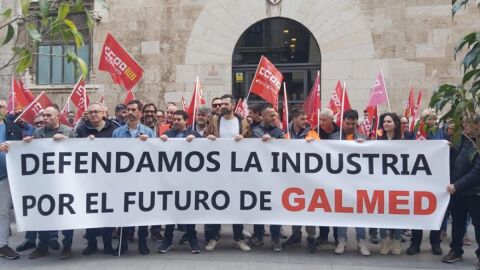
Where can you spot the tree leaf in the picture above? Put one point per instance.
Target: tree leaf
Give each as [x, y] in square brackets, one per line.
[468, 39]
[25, 56]
[44, 8]
[7, 13]
[472, 57]
[468, 76]
[10, 34]
[63, 11]
[34, 34]
[25, 5]
[457, 5]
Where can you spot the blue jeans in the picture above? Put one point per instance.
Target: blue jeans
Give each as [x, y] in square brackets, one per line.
[360, 233]
[259, 231]
[212, 232]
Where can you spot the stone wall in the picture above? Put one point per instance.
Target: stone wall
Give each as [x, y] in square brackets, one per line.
[412, 42]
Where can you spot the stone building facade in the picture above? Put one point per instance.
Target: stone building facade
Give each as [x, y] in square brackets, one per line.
[411, 41]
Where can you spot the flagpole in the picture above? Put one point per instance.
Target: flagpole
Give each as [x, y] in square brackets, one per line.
[341, 110]
[377, 124]
[320, 101]
[13, 96]
[195, 94]
[29, 105]
[386, 92]
[285, 98]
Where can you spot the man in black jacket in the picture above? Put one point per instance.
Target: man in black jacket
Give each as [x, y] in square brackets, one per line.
[464, 190]
[97, 126]
[179, 130]
[267, 130]
[8, 132]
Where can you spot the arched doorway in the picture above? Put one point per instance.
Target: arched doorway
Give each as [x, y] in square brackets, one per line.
[289, 45]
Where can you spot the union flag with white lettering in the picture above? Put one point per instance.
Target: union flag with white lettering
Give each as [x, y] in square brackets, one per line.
[116, 60]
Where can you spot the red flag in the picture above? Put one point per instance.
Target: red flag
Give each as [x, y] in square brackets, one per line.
[267, 81]
[242, 108]
[130, 96]
[415, 111]
[285, 111]
[195, 102]
[379, 92]
[335, 103]
[410, 104]
[312, 104]
[116, 60]
[38, 105]
[19, 97]
[421, 133]
[79, 98]
[369, 123]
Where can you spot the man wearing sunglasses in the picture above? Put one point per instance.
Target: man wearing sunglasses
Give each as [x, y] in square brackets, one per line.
[216, 106]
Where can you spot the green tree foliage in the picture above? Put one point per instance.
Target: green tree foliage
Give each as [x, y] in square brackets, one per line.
[49, 20]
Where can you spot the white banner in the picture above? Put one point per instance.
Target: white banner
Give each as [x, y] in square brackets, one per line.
[80, 183]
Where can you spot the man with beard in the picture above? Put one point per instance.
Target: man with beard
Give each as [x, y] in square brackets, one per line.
[179, 130]
[267, 130]
[52, 129]
[228, 125]
[300, 129]
[149, 118]
[134, 129]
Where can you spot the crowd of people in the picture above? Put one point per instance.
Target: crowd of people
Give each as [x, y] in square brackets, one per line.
[146, 121]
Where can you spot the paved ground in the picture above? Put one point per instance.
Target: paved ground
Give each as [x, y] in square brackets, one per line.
[226, 257]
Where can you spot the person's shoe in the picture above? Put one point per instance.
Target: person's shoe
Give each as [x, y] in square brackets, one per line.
[156, 236]
[122, 251]
[242, 245]
[311, 245]
[443, 235]
[183, 240]
[194, 246]
[107, 249]
[436, 249]
[53, 244]
[467, 241]
[142, 247]
[452, 257]
[165, 246]
[211, 245]
[385, 244]
[294, 240]
[256, 241]
[66, 253]
[276, 246]
[26, 245]
[396, 247]
[413, 249]
[362, 247]
[320, 241]
[89, 249]
[8, 253]
[374, 238]
[340, 249]
[38, 253]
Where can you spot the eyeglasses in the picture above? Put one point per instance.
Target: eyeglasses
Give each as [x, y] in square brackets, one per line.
[93, 112]
[404, 123]
[217, 105]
